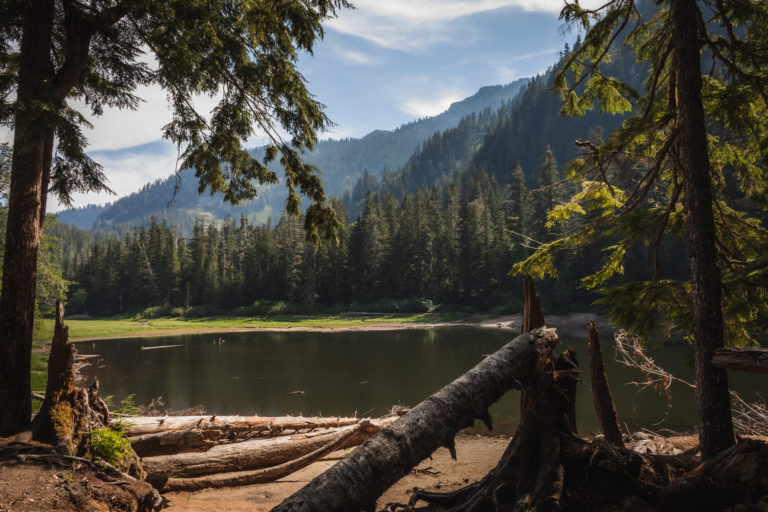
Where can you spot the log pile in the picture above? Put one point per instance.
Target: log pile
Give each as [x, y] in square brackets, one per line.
[185, 453]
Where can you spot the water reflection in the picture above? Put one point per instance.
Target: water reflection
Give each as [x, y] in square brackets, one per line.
[364, 373]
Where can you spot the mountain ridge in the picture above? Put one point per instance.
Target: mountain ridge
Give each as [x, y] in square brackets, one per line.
[341, 161]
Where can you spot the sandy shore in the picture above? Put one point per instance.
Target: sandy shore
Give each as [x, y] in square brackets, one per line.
[475, 457]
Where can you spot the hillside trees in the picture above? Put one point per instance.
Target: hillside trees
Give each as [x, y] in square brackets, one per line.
[56, 51]
[451, 244]
[666, 172]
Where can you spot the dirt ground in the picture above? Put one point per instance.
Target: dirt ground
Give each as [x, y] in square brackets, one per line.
[475, 457]
[30, 484]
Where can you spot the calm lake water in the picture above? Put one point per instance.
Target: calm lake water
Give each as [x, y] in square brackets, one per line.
[363, 373]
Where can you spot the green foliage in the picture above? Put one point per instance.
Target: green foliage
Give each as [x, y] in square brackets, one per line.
[631, 185]
[109, 445]
[243, 52]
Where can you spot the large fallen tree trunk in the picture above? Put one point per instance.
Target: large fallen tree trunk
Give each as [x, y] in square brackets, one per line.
[545, 467]
[356, 482]
[144, 425]
[746, 359]
[254, 454]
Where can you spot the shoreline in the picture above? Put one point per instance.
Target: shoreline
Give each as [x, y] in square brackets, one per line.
[573, 324]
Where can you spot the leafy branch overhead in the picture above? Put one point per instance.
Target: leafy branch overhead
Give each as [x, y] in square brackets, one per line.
[241, 53]
[633, 189]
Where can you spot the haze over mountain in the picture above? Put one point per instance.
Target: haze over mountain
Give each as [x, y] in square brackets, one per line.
[176, 200]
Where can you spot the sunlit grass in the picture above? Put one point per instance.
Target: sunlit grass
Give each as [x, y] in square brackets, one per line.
[86, 329]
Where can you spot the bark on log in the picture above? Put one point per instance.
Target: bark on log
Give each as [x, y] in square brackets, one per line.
[356, 482]
[246, 455]
[142, 425]
[345, 437]
[735, 476]
[747, 359]
[601, 393]
[167, 443]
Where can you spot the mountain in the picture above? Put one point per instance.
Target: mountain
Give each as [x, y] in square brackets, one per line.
[83, 217]
[342, 162]
[520, 131]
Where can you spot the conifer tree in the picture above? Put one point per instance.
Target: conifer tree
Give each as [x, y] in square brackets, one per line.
[56, 51]
[664, 172]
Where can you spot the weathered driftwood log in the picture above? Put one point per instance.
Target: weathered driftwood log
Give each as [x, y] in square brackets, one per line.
[604, 405]
[254, 454]
[747, 359]
[356, 482]
[142, 425]
[345, 437]
[174, 441]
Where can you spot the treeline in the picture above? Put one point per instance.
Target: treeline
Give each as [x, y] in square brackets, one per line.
[453, 244]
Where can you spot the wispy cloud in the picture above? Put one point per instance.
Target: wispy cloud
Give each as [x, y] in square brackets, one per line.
[128, 170]
[430, 106]
[507, 71]
[413, 26]
[353, 57]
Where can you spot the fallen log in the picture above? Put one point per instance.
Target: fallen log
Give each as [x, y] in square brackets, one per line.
[142, 425]
[745, 359]
[357, 481]
[734, 476]
[345, 438]
[254, 454]
[167, 443]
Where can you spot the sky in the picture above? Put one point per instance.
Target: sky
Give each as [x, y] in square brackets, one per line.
[379, 65]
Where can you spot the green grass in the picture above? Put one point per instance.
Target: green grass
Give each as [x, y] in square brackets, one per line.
[83, 329]
[39, 372]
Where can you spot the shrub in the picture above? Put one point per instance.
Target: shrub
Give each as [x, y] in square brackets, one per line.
[109, 445]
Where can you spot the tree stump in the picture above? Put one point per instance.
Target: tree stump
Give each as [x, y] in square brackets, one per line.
[63, 419]
[604, 406]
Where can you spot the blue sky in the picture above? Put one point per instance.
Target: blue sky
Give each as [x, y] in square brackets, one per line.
[381, 65]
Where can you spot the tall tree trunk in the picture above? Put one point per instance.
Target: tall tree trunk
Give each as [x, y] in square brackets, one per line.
[22, 240]
[715, 424]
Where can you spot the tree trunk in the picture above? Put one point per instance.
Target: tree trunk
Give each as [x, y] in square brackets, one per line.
[715, 423]
[168, 443]
[356, 482]
[231, 425]
[264, 461]
[66, 414]
[22, 237]
[533, 317]
[604, 406]
[748, 359]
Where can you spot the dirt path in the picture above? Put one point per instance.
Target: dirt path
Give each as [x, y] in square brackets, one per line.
[475, 457]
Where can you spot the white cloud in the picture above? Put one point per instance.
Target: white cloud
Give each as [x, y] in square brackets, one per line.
[433, 105]
[353, 57]
[507, 72]
[127, 171]
[413, 26]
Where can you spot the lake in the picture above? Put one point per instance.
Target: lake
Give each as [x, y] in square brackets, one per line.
[364, 373]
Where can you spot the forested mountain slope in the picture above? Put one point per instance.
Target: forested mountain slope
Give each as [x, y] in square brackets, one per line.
[341, 162]
[520, 131]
